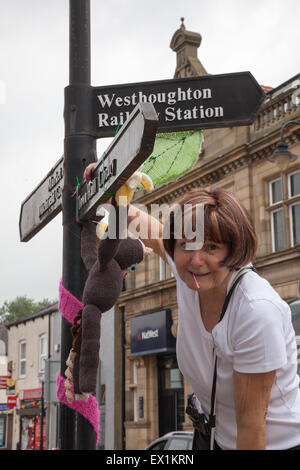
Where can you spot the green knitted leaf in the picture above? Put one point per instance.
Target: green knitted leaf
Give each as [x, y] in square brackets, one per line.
[174, 154]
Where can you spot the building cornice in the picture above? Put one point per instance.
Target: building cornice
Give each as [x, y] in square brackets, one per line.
[277, 258]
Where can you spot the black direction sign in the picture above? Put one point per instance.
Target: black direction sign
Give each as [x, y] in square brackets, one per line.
[43, 204]
[130, 148]
[186, 103]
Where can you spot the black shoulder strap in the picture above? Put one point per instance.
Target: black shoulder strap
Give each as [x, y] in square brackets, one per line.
[236, 281]
[212, 416]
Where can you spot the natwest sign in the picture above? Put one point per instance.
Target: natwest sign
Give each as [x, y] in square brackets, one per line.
[151, 334]
[148, 334]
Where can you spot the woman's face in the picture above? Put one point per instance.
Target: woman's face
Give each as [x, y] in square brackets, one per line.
[202, 265]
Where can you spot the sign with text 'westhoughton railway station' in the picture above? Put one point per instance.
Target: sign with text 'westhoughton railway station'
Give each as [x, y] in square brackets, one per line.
[210, 101]
[181, 104]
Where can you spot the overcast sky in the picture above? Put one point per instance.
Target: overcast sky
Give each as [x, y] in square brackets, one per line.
[130, 43]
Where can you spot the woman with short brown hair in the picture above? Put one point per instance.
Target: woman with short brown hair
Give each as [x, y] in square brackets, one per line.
[225, 221]
[257, 400]
[257, 386]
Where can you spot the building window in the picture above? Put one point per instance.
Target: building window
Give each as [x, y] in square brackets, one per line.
[43, 351]
[2, 348]
[295, 224]
[22, 359]
[294, 184]
[275, 191]
[162, 270]
[284, 208]
[277, 230]
[294, 193]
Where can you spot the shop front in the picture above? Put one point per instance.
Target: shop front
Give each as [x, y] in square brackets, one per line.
[32, 435]
[6, 413]
[154, 384]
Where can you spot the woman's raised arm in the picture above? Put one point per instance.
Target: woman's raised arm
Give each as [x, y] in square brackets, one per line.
[144, 220]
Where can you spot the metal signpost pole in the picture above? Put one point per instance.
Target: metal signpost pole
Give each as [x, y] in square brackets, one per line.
[79, 150]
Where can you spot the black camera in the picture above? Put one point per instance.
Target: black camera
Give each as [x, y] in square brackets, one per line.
[199, 420]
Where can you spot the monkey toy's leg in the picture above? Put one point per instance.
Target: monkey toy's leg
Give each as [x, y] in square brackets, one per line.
[76, 362]
[90, 348]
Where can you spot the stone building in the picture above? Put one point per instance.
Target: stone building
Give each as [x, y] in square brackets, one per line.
[236, 159]
[6, 412]
[33, 355]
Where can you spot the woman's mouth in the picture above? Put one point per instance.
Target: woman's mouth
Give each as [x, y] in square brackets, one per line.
[199, 275]
[195, 276]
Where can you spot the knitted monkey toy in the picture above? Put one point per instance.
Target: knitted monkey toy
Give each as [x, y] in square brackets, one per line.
[107, 262]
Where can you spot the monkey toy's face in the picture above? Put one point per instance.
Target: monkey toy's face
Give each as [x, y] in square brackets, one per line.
[105, 280]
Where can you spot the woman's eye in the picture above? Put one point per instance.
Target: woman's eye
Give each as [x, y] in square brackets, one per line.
[183, 245]
[212, 247]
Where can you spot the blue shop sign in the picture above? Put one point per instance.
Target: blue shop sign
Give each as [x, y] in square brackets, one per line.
[151, 334]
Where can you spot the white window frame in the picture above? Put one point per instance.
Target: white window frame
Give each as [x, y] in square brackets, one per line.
[270, 192]
[272, 228]
[42, 355]
[289, 184]
[22, 360]
[162, 269]
[291, 222]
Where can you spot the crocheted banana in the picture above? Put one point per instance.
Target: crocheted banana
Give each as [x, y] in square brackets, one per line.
[124, 196]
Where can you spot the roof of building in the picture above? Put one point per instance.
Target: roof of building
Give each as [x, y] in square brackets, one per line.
[40, 313]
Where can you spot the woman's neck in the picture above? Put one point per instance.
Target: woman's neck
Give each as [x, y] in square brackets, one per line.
[217, 294]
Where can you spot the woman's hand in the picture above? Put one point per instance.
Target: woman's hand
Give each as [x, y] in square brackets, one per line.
[88, 172]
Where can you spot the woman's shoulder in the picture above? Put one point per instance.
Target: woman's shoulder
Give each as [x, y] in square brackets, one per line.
[257, 295]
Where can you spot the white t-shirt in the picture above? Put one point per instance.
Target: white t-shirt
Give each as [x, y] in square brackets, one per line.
[256, 335]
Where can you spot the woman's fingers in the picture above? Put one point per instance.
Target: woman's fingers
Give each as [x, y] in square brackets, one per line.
[88, 171]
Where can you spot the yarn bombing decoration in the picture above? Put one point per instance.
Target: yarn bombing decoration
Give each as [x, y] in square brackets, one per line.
[174, 154]
[68, 307]
[106, 260]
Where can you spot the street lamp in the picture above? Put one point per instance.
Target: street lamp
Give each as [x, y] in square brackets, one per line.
[282, 157]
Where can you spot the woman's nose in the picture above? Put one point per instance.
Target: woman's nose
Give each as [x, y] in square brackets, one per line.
[197, 257]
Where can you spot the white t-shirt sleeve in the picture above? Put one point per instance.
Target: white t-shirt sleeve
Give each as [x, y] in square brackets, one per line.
[259, 340]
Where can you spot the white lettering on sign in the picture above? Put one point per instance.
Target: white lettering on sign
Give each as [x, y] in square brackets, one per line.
[171, 113]
[195, 113]
[56, 178]
[106, 120]
[169, 98]
[55, 191]
[150, 334]
[50, 201]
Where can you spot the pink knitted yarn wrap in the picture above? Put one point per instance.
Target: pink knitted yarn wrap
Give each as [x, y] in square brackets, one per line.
[68, 304]
[69, 307]
[89, 409]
